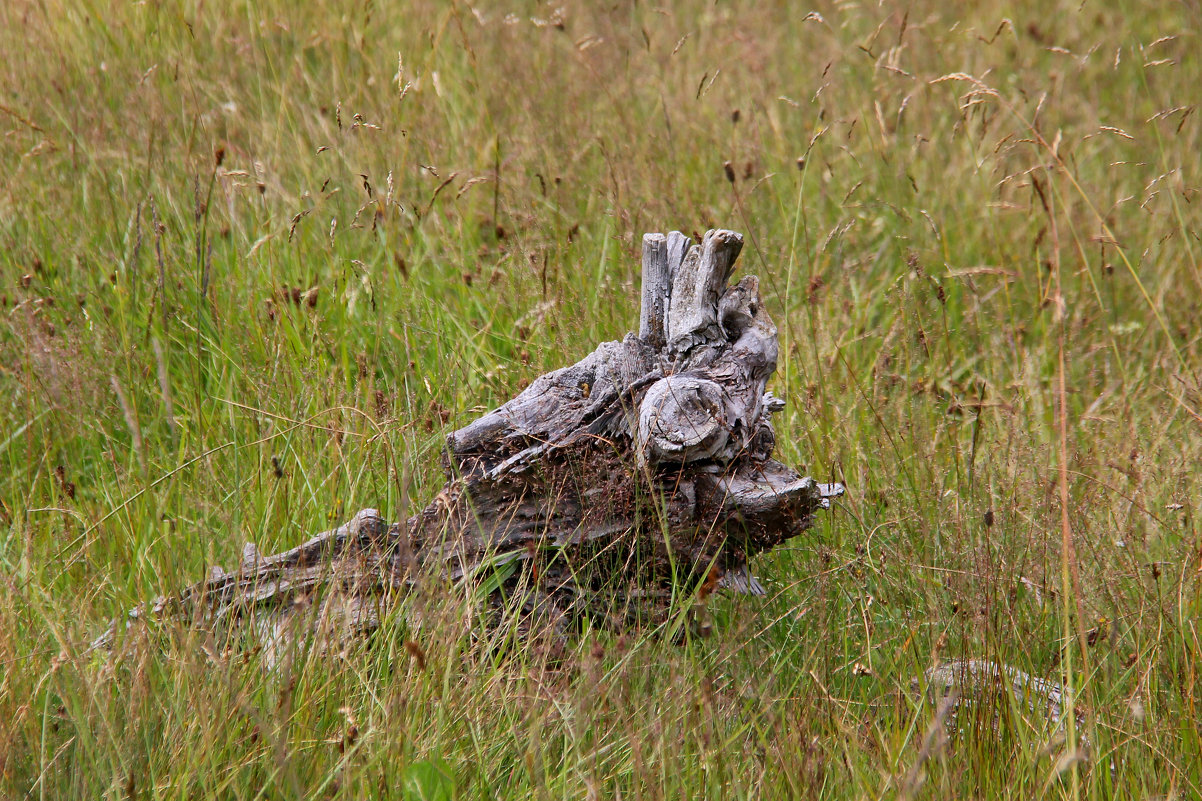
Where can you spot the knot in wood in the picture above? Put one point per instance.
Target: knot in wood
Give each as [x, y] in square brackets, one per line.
[682, 419]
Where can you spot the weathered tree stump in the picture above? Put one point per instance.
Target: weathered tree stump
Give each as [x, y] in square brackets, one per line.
[644, 466]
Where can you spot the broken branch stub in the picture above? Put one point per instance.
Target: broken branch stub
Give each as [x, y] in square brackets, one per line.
[649, 461]
[696, 287]
[657, 287]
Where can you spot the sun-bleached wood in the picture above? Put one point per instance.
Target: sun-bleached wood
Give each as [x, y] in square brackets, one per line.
[657, 287]
[696, 287]
[647, 462]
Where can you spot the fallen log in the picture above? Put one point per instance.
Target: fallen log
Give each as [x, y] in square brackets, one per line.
[645, 466]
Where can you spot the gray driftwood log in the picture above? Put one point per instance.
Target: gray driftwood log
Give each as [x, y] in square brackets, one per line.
[646, 465]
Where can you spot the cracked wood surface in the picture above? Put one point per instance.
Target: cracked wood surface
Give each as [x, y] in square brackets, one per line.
[648, 461]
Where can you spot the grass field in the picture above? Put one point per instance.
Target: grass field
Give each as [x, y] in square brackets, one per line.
[258, 258]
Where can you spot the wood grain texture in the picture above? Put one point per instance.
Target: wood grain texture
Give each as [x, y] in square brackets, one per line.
[696, 287]
[657, 288]
[646, 463]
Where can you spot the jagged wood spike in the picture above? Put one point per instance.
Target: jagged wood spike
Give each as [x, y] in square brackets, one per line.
[696, 288]
[678, 248]
[657, 286]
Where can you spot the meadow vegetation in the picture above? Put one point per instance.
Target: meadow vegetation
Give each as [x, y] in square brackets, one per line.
[258, 257]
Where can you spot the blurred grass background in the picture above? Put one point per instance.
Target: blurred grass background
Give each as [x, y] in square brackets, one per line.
[258, 258]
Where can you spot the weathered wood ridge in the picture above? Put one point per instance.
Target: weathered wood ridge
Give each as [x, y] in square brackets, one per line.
[647, 462]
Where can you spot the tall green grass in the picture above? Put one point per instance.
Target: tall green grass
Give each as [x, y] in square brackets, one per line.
[257, 258]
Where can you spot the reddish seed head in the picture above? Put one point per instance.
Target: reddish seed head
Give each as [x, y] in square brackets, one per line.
[416, 653]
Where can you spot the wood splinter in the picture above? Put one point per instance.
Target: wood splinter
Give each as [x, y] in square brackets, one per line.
[648, 462]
